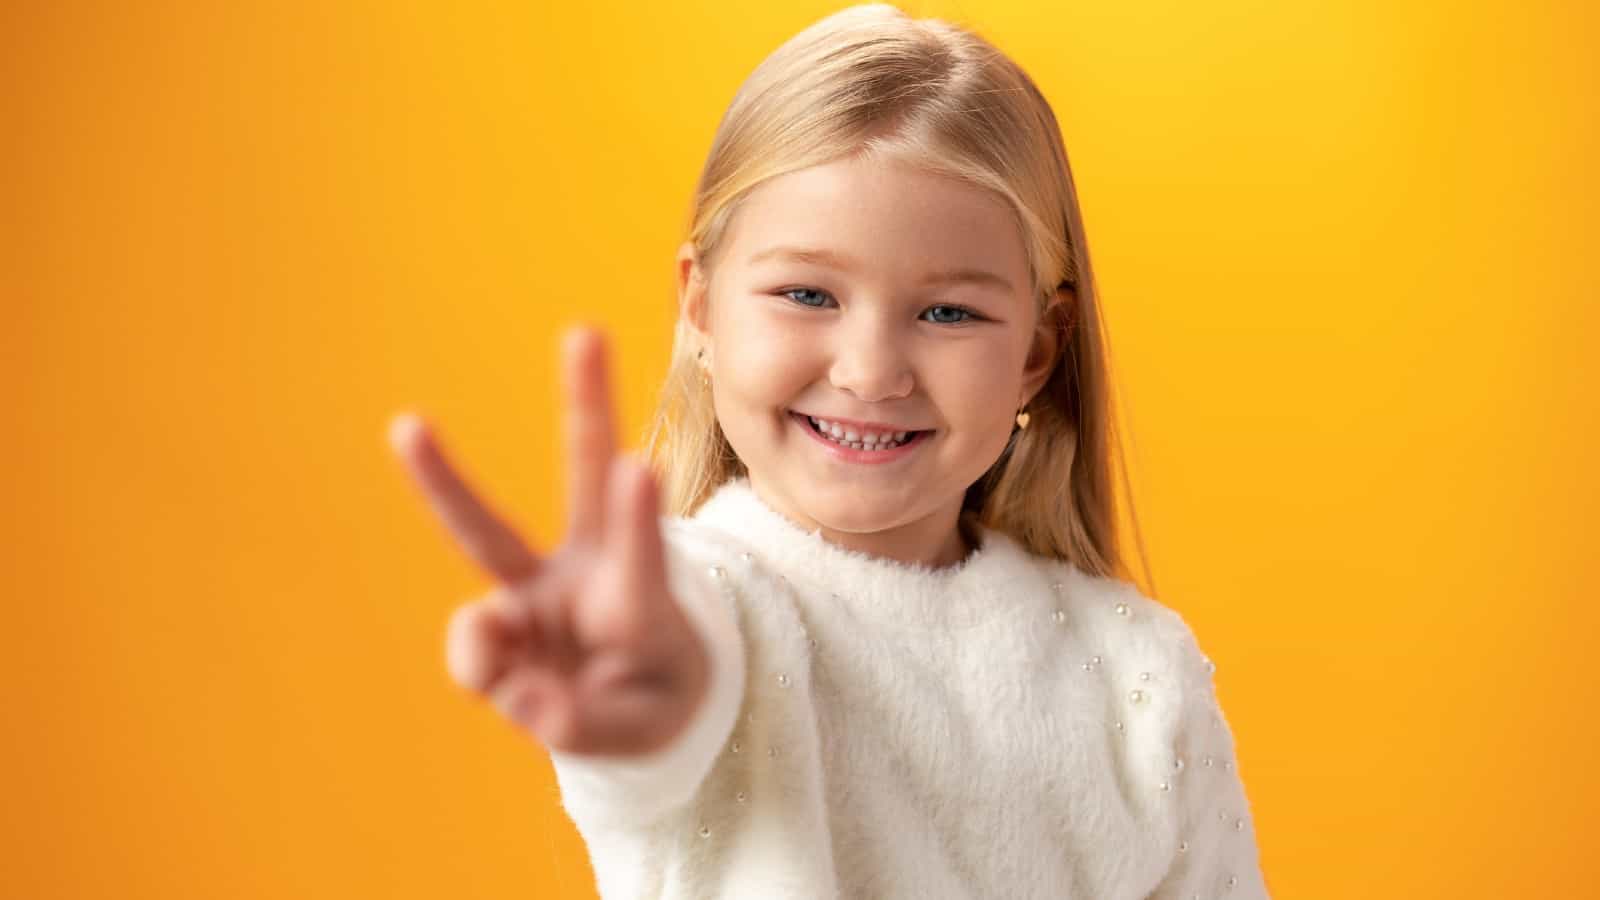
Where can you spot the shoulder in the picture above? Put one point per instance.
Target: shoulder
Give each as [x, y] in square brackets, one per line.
[1149, 646]
[1126, 614]
[692, 543]
[706, 557]
[1110, 612]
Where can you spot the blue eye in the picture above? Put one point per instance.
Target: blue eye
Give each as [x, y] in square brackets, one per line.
[789, 291]
[952, 315]
[966, 313]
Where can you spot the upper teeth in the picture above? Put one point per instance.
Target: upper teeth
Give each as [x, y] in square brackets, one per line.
[840, 433]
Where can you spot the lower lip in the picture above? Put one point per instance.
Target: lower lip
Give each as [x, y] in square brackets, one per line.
[870, 457]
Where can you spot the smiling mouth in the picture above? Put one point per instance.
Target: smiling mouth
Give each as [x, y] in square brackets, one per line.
[843, 437]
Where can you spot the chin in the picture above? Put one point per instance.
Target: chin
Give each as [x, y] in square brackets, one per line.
[854, 514]
[853, 524]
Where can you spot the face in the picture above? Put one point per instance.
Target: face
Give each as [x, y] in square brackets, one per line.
[885, 304]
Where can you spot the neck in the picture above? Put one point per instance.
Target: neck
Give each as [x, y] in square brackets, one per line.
[936, 540]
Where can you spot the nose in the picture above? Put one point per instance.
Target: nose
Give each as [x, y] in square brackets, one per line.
[870, 362]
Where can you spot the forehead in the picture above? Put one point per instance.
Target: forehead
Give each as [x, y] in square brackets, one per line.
[889, 216]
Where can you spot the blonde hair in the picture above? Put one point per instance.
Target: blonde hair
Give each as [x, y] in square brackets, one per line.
[872, 81]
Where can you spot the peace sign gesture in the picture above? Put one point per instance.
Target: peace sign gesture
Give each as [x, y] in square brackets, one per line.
[585, 648]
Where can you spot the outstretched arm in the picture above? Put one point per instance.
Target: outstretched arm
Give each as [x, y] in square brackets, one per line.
[601, 650]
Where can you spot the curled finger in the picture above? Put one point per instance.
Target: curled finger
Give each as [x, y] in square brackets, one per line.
[472, 646]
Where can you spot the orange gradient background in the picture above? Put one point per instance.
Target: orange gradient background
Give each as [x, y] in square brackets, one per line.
[1346, 258]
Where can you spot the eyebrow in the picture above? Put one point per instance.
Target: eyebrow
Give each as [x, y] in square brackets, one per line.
[846, 264]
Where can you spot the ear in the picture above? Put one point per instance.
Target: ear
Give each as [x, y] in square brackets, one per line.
[1050, 337]
[693, 293]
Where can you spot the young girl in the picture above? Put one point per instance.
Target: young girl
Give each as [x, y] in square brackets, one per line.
[883, 645]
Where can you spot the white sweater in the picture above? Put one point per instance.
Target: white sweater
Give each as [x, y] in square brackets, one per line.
[1009, 727]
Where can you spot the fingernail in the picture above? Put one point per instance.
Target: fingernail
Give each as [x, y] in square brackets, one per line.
[403, 429]
[575, 337]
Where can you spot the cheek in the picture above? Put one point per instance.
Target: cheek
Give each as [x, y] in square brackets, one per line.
[762, 362]
[984, 397]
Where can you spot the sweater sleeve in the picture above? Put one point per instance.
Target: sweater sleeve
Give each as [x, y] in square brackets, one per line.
[638, 790]
[1215, 852]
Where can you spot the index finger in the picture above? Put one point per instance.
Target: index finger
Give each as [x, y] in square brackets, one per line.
[483, 535]
[590, 431]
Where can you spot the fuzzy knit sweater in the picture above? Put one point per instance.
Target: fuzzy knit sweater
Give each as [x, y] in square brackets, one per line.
[1008, 727]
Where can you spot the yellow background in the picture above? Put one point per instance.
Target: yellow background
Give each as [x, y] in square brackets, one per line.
[1346, 256]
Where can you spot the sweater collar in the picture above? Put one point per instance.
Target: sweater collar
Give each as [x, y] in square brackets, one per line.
[994, 578]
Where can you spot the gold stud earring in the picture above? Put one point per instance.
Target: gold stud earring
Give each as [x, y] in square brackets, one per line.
[705, 374]
[1022, 418]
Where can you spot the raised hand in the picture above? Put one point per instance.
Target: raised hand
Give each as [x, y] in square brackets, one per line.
[585, 649]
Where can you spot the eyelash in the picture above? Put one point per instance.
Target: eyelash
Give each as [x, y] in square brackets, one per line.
[972, 314]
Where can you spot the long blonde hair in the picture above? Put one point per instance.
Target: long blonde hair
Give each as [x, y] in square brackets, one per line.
[872, 81]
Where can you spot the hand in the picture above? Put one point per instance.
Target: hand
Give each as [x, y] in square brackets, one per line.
[586, 650]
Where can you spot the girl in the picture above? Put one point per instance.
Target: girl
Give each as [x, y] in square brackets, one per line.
[882, 645]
